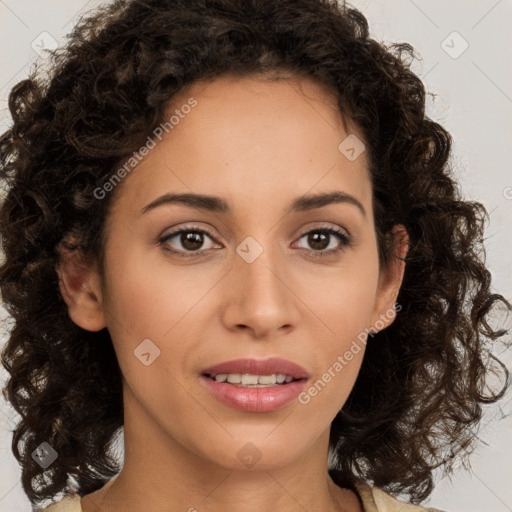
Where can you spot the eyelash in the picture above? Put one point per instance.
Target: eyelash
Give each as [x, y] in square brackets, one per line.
[345, 240]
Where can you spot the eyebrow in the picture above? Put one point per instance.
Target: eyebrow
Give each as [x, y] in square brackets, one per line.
[219, 205]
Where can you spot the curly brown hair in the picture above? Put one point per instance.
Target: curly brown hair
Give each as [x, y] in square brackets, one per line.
[423, 380]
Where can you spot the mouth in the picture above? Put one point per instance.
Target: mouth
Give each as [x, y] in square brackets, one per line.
[239, 383]
[256, 372]
[247, 380]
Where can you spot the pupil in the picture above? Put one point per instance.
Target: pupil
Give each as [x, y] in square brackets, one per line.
[190, 238]
[313, 240]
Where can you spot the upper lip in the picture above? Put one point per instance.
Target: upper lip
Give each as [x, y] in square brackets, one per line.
[269, 366]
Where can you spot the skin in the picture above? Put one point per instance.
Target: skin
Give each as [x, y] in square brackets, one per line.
[259, 145]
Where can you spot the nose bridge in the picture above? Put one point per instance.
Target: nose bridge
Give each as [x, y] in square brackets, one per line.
[257, 267]
[259, 296]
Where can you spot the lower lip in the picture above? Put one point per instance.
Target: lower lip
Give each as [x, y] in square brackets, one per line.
[255, 399]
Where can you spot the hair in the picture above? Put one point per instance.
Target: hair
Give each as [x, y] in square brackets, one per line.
[423, 381]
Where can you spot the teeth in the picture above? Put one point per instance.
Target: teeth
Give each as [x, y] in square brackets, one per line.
[251, 379]
[267, 379]
[247, 380]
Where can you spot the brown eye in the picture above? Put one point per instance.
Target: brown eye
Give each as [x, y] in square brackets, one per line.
[320, 240]
[191, 240]
[186, 240]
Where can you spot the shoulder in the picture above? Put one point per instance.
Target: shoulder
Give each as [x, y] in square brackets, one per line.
[376, 500]
[373, 498]
[70, 503]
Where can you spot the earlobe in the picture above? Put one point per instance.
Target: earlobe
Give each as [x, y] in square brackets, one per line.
[390, 280]
[79, 284]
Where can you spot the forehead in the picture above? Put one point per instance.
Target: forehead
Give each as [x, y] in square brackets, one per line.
[251, 138]
[256, 104]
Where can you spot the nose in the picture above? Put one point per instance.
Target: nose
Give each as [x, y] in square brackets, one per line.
[260, 296]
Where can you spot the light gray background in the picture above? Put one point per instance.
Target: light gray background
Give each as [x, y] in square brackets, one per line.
[474, 102]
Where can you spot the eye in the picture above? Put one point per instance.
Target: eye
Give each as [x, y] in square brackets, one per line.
[188, 239]
[321, 238]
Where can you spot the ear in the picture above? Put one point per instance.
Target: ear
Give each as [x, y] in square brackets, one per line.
[390, 280]
[80, 286]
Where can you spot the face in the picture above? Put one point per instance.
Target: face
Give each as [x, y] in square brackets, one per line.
[251, 275]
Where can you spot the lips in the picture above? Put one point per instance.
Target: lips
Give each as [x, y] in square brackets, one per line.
[258, 367]
[247, 397]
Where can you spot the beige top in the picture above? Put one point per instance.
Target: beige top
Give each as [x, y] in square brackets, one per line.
[373, 498]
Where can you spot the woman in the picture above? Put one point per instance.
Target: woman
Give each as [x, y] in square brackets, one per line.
[231, 232]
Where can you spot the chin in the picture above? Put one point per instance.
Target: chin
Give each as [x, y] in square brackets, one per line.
[254, 453]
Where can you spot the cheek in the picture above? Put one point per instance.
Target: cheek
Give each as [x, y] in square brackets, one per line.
[344, 300]
[344, 304]
[339, 351]
[150, 299]
[150, 296]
